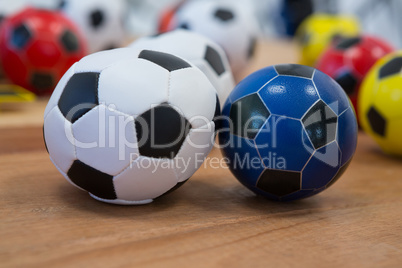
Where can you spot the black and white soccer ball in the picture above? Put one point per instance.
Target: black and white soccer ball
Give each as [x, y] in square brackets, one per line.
[130, 125]
[231, 24]
[197, 49]
[101, 21]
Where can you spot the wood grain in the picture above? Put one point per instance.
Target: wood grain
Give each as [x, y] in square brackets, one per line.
[212, 221]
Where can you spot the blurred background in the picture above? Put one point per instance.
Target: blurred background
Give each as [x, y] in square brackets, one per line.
[278, 18]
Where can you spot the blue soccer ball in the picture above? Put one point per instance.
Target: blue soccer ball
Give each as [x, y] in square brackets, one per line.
[289, 132]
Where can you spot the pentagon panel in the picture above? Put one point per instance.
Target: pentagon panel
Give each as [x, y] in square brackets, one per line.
[295, 70]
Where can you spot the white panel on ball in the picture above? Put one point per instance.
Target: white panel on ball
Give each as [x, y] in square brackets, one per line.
[194, 150]
[147, 178]
[99, 61]
[134, 80]
[59, 139]
[107, 133]
[194, 96]
[193, 48]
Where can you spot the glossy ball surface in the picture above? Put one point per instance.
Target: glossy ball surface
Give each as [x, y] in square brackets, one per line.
[37, 47]
[291, 132]
[349, 60]
[317, 32]
[380, 102]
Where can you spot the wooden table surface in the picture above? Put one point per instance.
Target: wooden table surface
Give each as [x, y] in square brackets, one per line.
[212, 221]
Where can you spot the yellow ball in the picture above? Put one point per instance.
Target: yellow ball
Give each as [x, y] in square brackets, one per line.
[380, 103]
[317, 31]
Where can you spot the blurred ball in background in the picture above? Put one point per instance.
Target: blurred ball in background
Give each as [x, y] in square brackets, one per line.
[232, 25]
[349, 60]
[37, 47]
[101, 21]
[380, 103]
[319, 30]
[197, 49]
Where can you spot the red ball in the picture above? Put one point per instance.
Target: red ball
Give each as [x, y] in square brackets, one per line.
[37, 47]
[348, 60]
[167, 16]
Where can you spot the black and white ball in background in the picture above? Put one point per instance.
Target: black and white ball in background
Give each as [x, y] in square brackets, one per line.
[129, 125]
[8, 7]
[231, 24]
[101, 21]
[200, 51]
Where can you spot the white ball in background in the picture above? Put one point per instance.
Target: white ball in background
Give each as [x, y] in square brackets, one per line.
[201, 51]
[101, 21]
[232, 25]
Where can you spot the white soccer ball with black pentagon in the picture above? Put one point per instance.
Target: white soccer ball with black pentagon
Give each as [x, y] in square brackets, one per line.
[197, 49]
[101, 21]
[130, 125]
[230, 24]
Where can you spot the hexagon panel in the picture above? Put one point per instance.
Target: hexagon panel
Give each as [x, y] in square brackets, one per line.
[109, 134]
[322, 167]
[59, 139]
[144, 181]
[188, 89]
[289, 96]
[281, 144]
[133, 79]
[253, 83]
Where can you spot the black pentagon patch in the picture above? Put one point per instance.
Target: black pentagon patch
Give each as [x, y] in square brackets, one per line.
[252, 48]
[97, 18]
[167, 61]
[346, 43]
[184, 26]
[44, 138]
[224, 14]
[177, 186]
[248, 115]
[79, 96]
[161, 132]
[69, 41]
[320, 123]
[348, 82]
[20, 36]
[110, 47]
[215, 61]
[279, 182]
[377, 122]
[392, 67]
[62, 4]
[295, 70]
[339, 174]
[42, 81]
[217, 120]
[92, 180]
